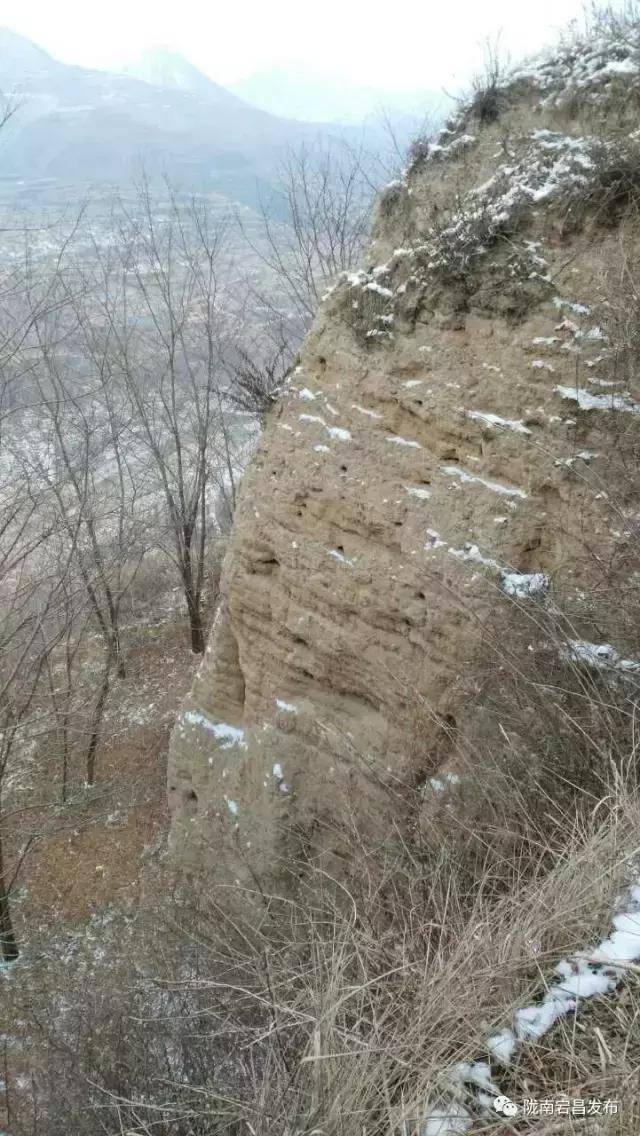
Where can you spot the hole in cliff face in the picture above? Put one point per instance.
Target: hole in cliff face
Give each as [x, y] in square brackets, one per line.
[264, 562]
[305, 674]
[421, 595]
[343, 468]
[528, 558]
[300, 640]
[322, 362]
[190, 802]
[533, 544]
[339, 548]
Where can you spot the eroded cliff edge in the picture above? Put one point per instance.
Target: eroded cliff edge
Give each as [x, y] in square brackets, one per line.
[457, 438]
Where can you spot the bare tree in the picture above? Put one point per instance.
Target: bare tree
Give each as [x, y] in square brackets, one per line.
[26, 600]
[68, 443]
[165, 330]
[315, 224]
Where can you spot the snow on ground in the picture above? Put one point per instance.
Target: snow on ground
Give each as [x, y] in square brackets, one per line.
[520, 585]
[473, 553]
[495, 420]
[523, 585]
[337, 555]
[337, 432]
[227, 735]
[586, 974]
[584, 455]
[493, 486]
[414, 491]
[398, 441]
[363, 410]
[588, 401]
[599, 655]
[439, 784]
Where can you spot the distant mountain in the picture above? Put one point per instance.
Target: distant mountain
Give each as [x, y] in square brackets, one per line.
[296, 91]
[75, 126]
[162, 68]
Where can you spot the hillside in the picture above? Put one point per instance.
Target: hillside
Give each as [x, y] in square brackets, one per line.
[433, 561]
[77, 128]
[437, 451]
[399, 893]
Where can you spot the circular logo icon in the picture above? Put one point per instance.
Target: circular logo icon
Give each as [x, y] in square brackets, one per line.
[505, 1106]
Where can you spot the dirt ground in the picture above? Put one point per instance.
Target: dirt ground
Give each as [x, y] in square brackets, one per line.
[94, 857]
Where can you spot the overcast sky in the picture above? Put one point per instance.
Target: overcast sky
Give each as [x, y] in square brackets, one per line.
[410, 44]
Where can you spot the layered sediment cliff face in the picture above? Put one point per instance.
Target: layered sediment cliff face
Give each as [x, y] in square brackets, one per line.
[449, 444]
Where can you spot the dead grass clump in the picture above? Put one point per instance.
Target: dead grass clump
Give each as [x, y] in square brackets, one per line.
[620, 21]
[459, 240]
[340, 1013]
[391, 198]
[367, 310]
[341, 1008]
[613, 184]
[256, 383]
[418, 151]
[488, 88]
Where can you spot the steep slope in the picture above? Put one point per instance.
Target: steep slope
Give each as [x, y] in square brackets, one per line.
[456, 440]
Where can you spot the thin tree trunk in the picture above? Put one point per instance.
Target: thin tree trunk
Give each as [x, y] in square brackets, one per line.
[121, 669]
[192, 595]
[8, 942]
[62, 735]
[96, 723]
[196, 625]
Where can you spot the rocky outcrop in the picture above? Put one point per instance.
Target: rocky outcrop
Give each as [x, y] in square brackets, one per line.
[448, 445]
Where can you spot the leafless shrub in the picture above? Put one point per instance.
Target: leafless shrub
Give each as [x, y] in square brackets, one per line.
[367, 312]
[619, 20]
[612, 184]
[390, 198]
[418, 151]
[488, 95]
[315, 225]
[456, 240]
[255, 384]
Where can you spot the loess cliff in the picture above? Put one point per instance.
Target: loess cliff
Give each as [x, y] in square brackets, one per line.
[454, 449]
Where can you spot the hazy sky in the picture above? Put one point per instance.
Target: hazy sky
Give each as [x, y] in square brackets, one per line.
[410, 44]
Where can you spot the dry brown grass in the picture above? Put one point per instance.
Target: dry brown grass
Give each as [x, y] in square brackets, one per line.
[338, 1012]
[336, 1007]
